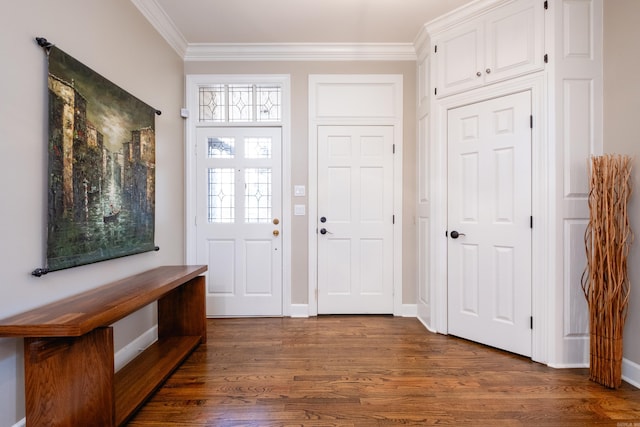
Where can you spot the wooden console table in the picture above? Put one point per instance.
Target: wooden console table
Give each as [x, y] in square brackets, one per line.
[68, 347]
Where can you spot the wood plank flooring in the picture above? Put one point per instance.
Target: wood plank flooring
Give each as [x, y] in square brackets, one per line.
[369, 371]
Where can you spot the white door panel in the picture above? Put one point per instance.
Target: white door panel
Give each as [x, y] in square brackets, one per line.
[238, 219]
[355, 198]
[489, 203]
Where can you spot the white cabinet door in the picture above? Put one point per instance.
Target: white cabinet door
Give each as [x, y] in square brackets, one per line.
[459, 59]
[514, 40]
[503, 44]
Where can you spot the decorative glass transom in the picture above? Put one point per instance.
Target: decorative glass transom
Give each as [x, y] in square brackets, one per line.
[229, 103]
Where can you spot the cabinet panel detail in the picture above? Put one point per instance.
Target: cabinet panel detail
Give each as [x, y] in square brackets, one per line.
[578, 135]
[506, 42]
[578, 29]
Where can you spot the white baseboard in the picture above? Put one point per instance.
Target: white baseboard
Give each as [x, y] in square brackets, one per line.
[299, 310]
[21, 423]
[567, 365]
[631, 372]
[127, 353]
[427, 326]
[409, 310]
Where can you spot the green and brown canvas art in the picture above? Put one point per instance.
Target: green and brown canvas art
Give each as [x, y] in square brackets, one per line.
[101, 189]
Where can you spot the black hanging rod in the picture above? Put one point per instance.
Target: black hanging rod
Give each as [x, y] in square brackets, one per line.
[39, 272]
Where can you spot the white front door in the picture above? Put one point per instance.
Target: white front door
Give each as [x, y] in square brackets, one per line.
[238, 219]
[355, 219]
[489, 222]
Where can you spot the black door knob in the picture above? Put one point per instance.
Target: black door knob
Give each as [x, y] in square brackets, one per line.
[454, 234]
[323, 219]
[323, 231]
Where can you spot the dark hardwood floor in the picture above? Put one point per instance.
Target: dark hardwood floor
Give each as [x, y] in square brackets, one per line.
[372, 371]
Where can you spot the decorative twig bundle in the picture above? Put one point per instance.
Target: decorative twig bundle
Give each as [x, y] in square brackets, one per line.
[605, 282]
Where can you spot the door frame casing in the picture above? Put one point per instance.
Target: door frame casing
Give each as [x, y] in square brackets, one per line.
[541, 204]
[193, 81]
[389, 115]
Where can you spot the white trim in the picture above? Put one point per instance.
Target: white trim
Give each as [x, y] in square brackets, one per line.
[631, 372]
[167, 29]
[568, 365]
[461, 15]
[299, 310]
[426, 325]
[163, 24]
[542, 210]
[192, 82]
[300, 52]
[314, 121]
[21, 423]
[130, 351]
[409, 310]
[159, 19]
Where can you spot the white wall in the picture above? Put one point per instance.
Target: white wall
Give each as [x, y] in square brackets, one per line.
[115, 40]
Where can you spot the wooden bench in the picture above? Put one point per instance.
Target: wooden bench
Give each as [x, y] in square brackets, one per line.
[69, 352]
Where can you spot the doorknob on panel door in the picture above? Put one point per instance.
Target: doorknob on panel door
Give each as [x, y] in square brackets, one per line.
[454, 234]
[325, 231]
[276, 233]
[323, 219]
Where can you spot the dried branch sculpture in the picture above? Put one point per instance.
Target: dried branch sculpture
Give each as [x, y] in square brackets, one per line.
[605, 281]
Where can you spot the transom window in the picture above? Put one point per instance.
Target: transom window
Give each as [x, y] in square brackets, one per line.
[242, 102]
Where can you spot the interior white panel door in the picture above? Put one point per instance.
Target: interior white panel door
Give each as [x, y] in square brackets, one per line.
[238, 219]
[489, 228]
[355, 219]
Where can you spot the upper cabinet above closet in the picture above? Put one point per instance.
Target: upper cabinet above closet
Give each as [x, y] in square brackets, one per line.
[499, 44]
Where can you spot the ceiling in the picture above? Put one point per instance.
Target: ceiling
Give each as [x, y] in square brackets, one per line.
[185, 23]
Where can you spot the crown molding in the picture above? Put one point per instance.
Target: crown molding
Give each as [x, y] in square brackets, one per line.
[158, 18]
[300, 52]
[421, 44]
[460, 15]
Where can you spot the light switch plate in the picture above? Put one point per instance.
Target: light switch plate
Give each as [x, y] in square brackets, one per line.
[299, 209]
[299, 190]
